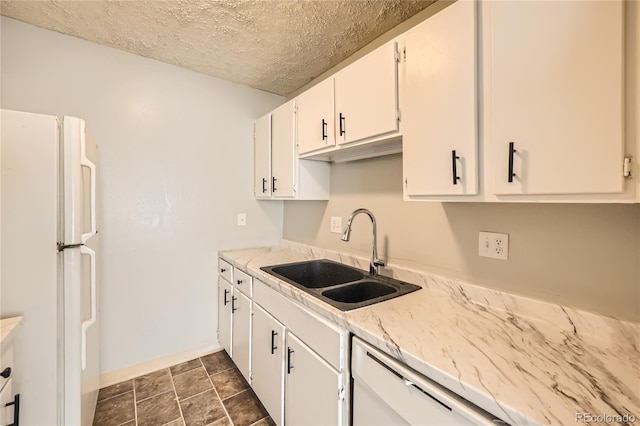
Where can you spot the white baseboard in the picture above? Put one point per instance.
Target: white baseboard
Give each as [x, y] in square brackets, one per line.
[128, 373]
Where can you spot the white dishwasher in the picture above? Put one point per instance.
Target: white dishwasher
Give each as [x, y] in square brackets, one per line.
[387, 392]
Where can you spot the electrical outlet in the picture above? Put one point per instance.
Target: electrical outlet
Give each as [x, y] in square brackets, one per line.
[336, 224]
[493, 245]
[242, 219]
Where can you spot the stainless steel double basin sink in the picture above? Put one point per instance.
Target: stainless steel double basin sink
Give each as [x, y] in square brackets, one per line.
[341, 286]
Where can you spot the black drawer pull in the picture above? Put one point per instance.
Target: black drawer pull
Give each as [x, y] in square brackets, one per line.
[289, 366]
[233, 304]
[264, 185]
[324, 130]
[273, 342]
[342, 124]
[222, 270]
[16, 410]
[512, 151]
[225, 296]
[454, 163]
[273, 184]
[239, 282]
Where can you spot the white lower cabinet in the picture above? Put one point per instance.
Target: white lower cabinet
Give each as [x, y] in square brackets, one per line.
[225, 292]
[312, 390]
[234, 325]
[299, 362]
[295, 361]
[267, 362]
[241, 333]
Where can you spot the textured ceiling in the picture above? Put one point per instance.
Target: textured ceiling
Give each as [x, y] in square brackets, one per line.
[274, 45]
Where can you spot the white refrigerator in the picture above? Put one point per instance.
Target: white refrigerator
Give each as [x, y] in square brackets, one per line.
[48, 265]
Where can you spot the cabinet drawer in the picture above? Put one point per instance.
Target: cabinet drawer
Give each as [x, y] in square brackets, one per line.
[320, 335]
[225, 270]
[243, 282]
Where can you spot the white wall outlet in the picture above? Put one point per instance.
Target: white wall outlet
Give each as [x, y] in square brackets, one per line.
[336, 224]
[494, 245]
[242, 219]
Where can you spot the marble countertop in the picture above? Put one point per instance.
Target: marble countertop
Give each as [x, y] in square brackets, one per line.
[523, 360]
[8, 327]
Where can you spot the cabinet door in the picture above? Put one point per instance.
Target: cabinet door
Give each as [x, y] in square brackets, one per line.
[283, 151]
[262, 157]
[241, 326]
[312, 387]
[314, 118]
[6, 396]
[366, 94]
[439, 129]
[267, 362]
[556, 96]
[225, 293]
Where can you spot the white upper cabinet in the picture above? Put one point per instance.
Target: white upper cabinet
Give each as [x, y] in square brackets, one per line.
[555, 112]
[439, 104]
[278, 174]
[366, 96]
[262, 157]
[283, 151]
[315, 121]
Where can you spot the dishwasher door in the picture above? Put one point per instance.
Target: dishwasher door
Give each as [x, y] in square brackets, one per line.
[386, 392]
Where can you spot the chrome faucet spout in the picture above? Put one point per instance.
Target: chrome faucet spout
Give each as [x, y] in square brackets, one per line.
[346, 235]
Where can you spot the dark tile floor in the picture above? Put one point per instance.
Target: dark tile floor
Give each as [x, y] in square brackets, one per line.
[205, 391]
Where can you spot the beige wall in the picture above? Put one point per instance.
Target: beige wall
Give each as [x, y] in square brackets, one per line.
[581, 255]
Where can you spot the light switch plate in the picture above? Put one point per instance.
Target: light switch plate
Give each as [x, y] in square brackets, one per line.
[242, 219]
[336, 224]
[493, 245]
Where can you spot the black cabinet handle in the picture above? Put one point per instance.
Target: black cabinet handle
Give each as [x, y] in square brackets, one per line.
[273, 342]
[239, 282]
[6, 372]
[222, 270]
[342, 123]
[289, 366]
[16, 410]
[324, 130]
[512, 150]
[233, 304]
[225, 297]
[264, 185]
[454, 164]
[273, 184]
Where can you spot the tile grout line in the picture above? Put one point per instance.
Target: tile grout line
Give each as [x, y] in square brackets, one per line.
[236, 394]
[175, 392]
[184, 372]
[216, 391]
[111, 397]
[135, 404]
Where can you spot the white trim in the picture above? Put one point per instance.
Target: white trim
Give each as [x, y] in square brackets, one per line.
[128, 373]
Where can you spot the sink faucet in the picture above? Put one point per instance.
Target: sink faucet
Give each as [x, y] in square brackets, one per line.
[375, 262]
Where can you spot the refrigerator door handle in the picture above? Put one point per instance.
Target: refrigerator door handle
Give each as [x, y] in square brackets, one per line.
[92, 319]
[85, 162]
